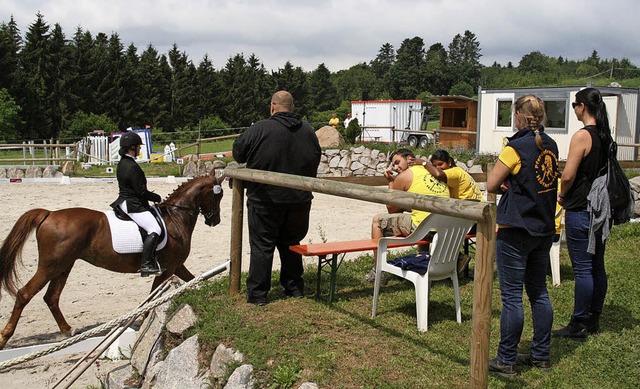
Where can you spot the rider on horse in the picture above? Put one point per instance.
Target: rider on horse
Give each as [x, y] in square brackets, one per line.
[133, 200]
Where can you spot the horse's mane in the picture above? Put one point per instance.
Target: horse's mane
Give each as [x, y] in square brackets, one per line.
[181, 190]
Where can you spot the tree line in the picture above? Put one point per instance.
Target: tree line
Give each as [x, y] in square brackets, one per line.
[54, 87]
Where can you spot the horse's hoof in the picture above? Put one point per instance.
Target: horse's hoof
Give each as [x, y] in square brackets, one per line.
[71, 332]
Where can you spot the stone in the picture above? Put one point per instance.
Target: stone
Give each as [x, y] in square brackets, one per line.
[344, 162]
[190, 169]
[120, 377]
[33, 172]
[241, 378]
[147, 351]
[332, 152]
[475, 169]
[181, 368]
[308, 385]
[355, 165]
[181, 320]
[329, 137]
[374, 154]
[14, 172]
[463, 166]
[218, 164]
[3, 173]
[323, 168]
[49, 171]
[358, 150]
[67, 168]
[221, 359]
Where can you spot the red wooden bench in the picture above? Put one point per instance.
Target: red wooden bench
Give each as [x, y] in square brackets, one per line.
[335, 251]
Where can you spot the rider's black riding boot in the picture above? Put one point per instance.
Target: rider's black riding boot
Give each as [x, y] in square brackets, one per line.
[149, 263]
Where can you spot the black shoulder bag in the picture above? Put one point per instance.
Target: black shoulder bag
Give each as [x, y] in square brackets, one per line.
[618, 188]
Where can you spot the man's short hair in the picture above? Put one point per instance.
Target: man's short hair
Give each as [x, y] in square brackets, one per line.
[403, 152]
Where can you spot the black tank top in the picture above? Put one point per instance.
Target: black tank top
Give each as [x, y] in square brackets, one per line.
[589, 169]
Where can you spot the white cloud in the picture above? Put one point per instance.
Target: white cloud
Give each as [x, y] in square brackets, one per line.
[343, 33]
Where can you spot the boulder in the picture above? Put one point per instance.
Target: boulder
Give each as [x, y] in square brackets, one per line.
[181, 369]
[329, 137]
[241, 378]
[221, 359]
[181, 320]
[67, 168]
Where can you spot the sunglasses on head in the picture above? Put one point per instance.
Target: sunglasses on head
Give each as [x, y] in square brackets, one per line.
[575, 104]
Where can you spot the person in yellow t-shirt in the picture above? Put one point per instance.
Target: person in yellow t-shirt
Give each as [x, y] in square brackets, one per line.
[461, 184]
[334, 121]
[414, 179]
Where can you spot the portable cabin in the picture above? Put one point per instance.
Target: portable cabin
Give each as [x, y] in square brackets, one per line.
[458, 121]
[386, 120]
[495, 117]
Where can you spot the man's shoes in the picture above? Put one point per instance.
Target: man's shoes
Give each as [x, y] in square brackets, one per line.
[371, 277]
[574, 330]
[258, 302]
[495, 366]
[295, 293]
[528, 360]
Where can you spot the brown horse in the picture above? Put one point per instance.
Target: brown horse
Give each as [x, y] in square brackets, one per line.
[66, 235]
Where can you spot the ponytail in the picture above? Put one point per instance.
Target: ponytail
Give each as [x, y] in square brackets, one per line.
[532, 109]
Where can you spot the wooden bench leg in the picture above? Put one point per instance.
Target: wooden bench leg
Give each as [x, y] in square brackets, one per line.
[334, 272]
[321, 262]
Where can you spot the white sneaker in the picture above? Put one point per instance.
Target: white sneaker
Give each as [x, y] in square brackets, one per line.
[371, 277]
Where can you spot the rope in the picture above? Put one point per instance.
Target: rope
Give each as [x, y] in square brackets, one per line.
[115, 322]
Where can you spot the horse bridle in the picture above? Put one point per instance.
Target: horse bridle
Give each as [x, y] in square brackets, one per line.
[217, 189]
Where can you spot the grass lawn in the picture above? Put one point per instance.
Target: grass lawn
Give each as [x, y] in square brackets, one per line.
[295, 340]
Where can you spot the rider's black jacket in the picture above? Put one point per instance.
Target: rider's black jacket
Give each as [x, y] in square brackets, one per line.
[133, 187]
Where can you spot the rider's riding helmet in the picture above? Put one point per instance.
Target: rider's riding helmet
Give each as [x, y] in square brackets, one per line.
[127, 140]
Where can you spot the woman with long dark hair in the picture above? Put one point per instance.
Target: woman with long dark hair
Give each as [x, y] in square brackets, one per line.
[587, 156]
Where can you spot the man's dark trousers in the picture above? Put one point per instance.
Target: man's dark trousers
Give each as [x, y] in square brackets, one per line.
[274, 225]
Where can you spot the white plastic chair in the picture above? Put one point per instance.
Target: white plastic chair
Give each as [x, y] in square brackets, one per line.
[444, 248]
[554, 253]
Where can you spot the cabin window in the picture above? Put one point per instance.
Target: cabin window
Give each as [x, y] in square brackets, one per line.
[504, 115]
[556, 114]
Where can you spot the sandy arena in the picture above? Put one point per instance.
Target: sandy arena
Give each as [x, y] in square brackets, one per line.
[94, 296]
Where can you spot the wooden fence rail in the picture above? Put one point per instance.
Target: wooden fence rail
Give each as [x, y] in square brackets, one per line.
[484, 213]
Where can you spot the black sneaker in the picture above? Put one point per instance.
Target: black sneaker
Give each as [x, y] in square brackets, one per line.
[495, 366]
[258, 302]
[296, 294]
[528, 360]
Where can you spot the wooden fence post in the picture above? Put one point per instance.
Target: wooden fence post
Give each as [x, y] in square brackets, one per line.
[237, 209]
[482, 287]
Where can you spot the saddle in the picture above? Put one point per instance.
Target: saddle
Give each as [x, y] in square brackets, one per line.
[127, 237]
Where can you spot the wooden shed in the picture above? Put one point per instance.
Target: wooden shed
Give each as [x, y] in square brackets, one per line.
[458, 121]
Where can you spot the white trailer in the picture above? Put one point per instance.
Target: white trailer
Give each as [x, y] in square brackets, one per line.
[495, 117]
[388, 121]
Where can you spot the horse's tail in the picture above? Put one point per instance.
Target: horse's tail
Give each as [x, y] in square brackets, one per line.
[11, 250]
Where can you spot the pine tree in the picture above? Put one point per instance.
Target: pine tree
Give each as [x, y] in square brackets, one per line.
[322, 93]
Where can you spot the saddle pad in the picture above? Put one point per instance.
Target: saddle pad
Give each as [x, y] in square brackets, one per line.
[125, 235]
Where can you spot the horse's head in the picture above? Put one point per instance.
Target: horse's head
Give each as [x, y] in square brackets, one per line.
[211, 208]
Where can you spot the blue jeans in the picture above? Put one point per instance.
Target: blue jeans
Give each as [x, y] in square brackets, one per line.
[522, 261]
[588, 270]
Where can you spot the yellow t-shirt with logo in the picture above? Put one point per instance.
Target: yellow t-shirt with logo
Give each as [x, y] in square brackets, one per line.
[461, 184]
[426, 184]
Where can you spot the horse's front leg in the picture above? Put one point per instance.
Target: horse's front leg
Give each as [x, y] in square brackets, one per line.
[184, 274]
[52, 299]
[24, 295]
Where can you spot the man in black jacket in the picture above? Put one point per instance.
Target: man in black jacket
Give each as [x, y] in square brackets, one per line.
[278, 217]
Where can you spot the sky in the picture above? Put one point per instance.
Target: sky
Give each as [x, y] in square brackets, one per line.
[343, 33]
